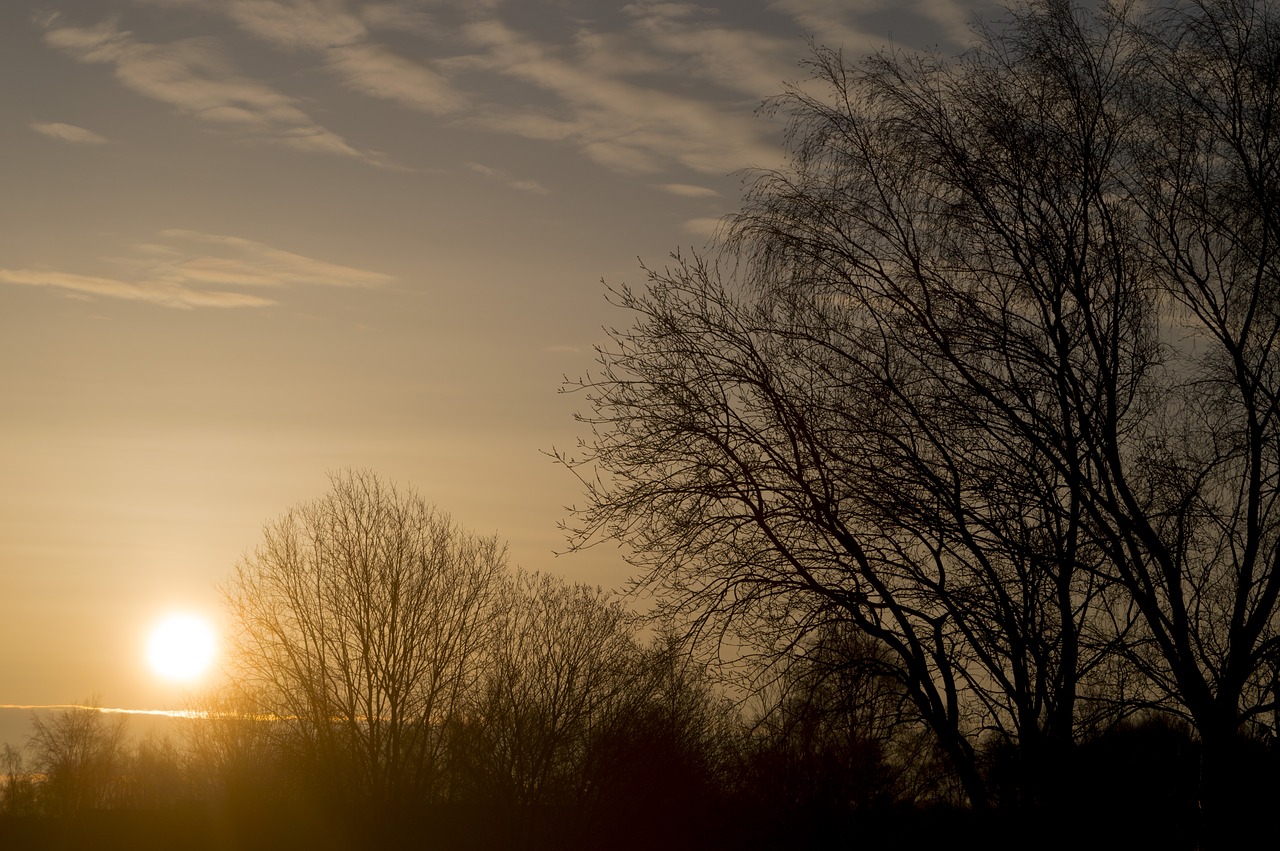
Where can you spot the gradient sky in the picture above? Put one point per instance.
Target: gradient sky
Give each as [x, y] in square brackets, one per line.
[246, 242]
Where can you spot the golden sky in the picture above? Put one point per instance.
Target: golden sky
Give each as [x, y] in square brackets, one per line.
[247, 242]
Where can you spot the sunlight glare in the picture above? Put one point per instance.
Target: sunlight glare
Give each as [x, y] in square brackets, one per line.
[181, 647]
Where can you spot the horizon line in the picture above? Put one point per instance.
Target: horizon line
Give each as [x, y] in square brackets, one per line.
[110, 710]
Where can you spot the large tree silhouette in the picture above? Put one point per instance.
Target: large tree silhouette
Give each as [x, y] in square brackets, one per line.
[988, 371]
[359, 625]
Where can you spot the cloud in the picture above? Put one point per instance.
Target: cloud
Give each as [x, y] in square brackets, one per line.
[154, 292]
[672, 86]
[707, 226]
[397, 18]
[747, 61]
[188, 269]
[343, 42]
[68, 133]
[832, 21]
[953, 17]
[192, 76]
[686, 190]
[247, 262]
[835, 22]
[499, 175]
[625, 126]
[107, 710]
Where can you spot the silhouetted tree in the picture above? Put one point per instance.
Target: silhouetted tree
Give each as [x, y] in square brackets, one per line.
[663, 764]
[18, 795]
[581, 737]
[156, 776]
[834, 725]
[80, 754]
[230, 749]
[993, 379]
[359, 623]
[557, 674]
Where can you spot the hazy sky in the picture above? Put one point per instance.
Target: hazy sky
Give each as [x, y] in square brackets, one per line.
[246, 242]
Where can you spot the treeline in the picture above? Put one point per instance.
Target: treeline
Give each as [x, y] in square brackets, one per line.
[391, 681]
[989, 372]
[968, 432]
[577, 731]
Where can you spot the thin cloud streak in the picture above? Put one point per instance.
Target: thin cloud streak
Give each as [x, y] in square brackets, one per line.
[687, 190]
[68, 133]
[602, 99]
[194, 78]
[154, 292]
[107, 710]
[706, 227]
[343, 41]
[525, 185]
[602, 90]
[752, 63]
[259, 264]
[624, 126]
[836, 20]
[181, 269]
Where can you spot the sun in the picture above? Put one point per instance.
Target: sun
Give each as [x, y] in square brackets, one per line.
[181, 647]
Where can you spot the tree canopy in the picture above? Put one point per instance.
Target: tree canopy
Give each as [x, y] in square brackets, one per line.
[988, 371]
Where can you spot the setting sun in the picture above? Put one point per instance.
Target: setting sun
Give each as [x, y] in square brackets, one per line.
[181, 647]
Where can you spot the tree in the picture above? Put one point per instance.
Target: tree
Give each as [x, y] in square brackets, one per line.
[230, 752]
[834, 729]
[660, 766]
[575, 717]
[992, 376]
[558, 672]
[156, 776]
[18, 793]
[359, 623]
[80, 752]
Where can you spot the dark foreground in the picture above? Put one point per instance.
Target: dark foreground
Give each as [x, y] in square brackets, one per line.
[219, 828]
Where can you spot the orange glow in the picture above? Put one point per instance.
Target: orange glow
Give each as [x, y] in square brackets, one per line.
[181, 647]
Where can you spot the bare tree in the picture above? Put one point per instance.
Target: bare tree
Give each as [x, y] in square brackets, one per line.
[18, 793]
[80, 755]
[156, 776]
[836, 731]
[662, 760]
[576, 717]
[993, 379]
[359, 624]
[558, 673]
[229, 750]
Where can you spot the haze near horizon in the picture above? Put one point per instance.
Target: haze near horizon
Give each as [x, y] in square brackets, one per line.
[250, 242]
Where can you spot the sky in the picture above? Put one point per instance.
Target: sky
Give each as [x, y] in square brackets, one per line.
[244, 243]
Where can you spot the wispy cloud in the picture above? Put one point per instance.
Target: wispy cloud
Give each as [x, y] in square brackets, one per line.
[838, 23]
[706, 227]
[623, 125]
[397, 17]
[68, 132]
[750, 62]
[106, 710]
[194, 78]
[188, 269]
[162, 293]
[525, 185]
[687, 190]
[347, 49]
[245, 262]
[672, 86]
[832, 21]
